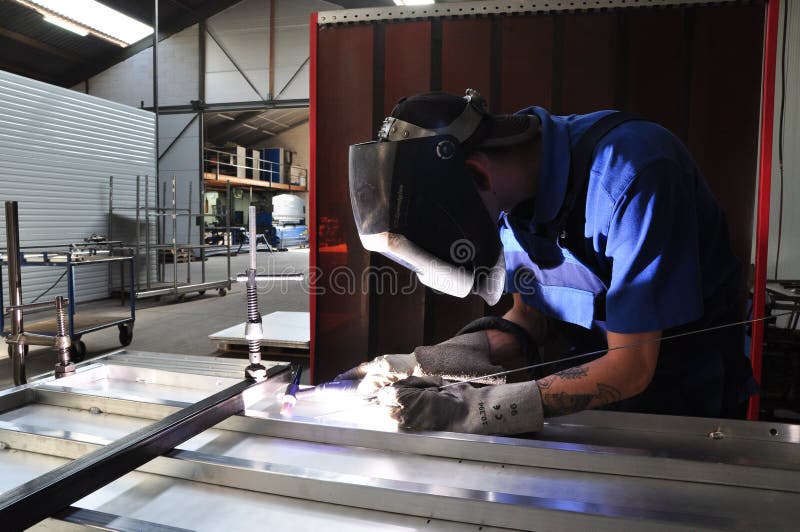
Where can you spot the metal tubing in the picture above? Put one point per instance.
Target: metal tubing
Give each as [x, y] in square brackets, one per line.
[110, 269]
[174, 234]
[138, 231]
[147, 228]
[228, 224]
[54, 491]
[189, 238]
[162, 224]
[71, 296]
[762, 210]
[15, 289]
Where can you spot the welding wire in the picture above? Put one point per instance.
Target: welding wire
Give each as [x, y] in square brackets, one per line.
[601, 351]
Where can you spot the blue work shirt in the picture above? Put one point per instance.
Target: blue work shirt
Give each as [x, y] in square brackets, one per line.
[645, 249]
[654, 236]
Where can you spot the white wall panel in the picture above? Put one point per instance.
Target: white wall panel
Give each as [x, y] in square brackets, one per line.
[291, 46]
[243, 32]
[182, 160]
[789, 258]
[131, 81]
[58, 148]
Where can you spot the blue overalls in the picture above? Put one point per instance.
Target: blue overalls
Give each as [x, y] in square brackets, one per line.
[639, 244]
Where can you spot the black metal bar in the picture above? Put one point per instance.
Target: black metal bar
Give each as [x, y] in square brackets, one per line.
[296, 103]
[26, 505]
[15, 289]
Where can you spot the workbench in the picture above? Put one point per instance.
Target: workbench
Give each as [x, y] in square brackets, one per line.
[340, 463]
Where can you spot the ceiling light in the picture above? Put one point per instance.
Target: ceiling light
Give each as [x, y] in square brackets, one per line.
[67, 25]
[413, 2]
[90, 16]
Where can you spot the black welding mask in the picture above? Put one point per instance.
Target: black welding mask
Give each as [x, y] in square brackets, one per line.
[415, 199]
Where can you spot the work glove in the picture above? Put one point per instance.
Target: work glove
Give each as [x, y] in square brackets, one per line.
[419, 403]
[464, 356]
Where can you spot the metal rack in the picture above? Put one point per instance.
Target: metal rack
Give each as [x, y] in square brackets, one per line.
[69, 256]
[159, 215]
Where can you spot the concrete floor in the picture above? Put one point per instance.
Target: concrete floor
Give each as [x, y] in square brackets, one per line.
[169, 326]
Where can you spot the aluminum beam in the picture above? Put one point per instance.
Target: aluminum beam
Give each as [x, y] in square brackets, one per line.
[40, 498]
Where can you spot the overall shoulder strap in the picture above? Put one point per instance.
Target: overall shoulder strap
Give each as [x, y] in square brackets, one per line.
[581, 157]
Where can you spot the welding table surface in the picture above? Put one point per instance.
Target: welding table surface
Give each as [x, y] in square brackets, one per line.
[343, 460]
[531, 481]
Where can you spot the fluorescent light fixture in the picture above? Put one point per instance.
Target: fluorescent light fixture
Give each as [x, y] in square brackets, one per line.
[92, 17]
[65, 24]
[413, 2]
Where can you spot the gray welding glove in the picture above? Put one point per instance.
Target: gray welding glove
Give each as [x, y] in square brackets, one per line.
[464, 356]
[501, 409]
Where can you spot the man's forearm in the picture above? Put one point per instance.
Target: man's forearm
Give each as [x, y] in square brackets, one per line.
[623, 372]
[573, 390]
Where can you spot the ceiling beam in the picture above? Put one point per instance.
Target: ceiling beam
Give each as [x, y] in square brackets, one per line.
[228, 127]
[179, 23]
[41, 46]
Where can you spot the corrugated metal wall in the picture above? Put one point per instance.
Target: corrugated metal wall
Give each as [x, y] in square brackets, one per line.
[58, 148]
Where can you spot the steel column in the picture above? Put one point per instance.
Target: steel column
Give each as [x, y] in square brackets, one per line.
[764, 184]
[15, 289]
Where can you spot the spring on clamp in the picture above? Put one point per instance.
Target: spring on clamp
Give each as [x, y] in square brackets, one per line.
[63, 343]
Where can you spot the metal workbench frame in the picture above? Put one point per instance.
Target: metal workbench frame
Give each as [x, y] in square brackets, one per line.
[71, 256]
[159, 215]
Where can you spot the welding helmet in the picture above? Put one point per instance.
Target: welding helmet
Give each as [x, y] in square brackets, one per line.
[415, 199]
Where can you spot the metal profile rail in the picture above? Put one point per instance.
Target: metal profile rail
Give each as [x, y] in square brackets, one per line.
[592, 470]
[158, 215]
[52, 492]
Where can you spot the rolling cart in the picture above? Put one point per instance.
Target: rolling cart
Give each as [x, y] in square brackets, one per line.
[71, 257]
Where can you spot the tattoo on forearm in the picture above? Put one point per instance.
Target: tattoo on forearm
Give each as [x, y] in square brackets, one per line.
[562, 403]
[576, 372]
[559, 404]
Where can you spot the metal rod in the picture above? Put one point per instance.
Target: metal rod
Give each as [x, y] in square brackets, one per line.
[601, 351]
[162, 224]
[189, 239]
[108, 225]
[147, 228]
[15, 289]
[174, 235]
[228, 223]
[50, 493]
[202, 196]
[138, 229]
[159, 229]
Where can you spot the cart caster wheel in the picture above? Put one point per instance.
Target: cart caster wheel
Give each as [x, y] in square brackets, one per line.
[125, 335]
[222, 292]
[202, 292]
[78, 351]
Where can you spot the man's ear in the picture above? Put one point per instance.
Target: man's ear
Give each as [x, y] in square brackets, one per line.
[479, 164]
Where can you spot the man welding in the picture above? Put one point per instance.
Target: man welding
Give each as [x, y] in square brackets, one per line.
[599, 222]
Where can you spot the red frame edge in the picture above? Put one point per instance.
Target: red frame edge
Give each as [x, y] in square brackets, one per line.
[764, 186]
[312, 191]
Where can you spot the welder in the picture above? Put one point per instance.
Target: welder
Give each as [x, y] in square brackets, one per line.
[600, 225]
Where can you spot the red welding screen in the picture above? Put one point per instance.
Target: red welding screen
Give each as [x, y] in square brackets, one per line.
[696, 70]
